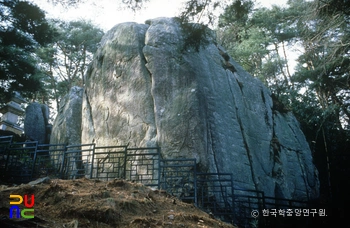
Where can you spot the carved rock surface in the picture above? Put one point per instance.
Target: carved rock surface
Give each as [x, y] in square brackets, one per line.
[67, 125]
[144, 88]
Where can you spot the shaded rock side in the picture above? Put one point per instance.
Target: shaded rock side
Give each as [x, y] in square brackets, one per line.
[67, 125]
[36, 126]
[144, 88]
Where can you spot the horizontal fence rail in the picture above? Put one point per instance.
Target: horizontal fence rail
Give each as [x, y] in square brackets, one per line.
[212, 192]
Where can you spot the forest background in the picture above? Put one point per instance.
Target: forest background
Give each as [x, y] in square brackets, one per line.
[300, 51]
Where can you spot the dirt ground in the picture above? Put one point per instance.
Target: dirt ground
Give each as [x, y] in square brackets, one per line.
[94, 203]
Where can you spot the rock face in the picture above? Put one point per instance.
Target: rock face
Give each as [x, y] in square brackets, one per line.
[144, 88]
[36, 123]
[67, 125]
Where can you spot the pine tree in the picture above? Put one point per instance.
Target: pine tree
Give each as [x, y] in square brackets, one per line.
[23, 29]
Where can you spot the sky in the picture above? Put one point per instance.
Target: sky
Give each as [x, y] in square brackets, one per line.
[107, 13]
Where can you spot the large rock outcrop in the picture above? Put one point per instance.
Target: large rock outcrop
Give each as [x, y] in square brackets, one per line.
[146, 88]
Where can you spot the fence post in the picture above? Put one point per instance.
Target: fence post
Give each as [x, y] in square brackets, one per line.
[7, 160]
[159, 158]
[92, 161]
[63, 160]
[34, 159]
[195, 183]
[125, 160]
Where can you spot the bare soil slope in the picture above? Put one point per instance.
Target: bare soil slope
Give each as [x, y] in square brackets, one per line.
[94, 203]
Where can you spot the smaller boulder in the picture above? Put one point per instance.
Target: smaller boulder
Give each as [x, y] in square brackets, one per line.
[36, 122]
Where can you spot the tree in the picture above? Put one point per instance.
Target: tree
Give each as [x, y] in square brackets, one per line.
[325, 65]
[258, 40]
[66, 61]
[324, 70]
[23, 29]
[76, 44]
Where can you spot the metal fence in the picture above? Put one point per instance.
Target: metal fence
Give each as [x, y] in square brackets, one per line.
[215, 194]
[178, 178]
[5, 142]
[78, 161]
[212, 192]
[142, 165]
[109, 162]
[20, 161]
[50, 160]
